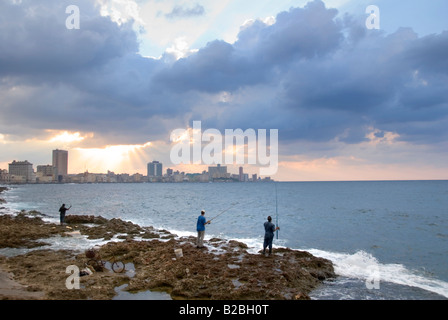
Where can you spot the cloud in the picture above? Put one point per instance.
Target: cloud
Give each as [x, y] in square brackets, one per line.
[35, 41]
[316, 75]
[181, 11]
[320, 77]
[121, 11]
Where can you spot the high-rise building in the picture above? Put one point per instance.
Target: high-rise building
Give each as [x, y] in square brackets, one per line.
[241, 174]
[46, 174]
[46, 170]
[60, 162]
[22, 169]
[155, 169]
[217, 172]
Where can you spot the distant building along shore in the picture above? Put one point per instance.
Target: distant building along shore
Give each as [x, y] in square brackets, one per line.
[21, 172]
[60, 163]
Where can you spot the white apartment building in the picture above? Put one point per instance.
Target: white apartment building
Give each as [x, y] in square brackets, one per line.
[22, 169]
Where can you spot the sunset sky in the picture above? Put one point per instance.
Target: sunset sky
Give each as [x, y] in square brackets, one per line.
[349, 103]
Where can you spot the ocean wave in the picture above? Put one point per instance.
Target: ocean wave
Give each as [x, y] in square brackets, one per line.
[360, 265]
[364, 266]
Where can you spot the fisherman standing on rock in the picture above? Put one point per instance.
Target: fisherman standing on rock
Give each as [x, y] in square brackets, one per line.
[269, 228]
[62, 211]
[201, 229]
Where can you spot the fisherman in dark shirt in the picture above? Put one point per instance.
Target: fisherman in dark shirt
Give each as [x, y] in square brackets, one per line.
[62, 211]
[269, 228]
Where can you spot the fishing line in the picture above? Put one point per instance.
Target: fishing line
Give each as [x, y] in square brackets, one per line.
[276, 210]
[233, 205]
[223, 211]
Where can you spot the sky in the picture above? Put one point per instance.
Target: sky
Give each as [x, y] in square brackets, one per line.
[350, 102]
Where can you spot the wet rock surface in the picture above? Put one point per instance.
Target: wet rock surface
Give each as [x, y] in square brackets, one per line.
[222, 270]
[230, 273]
[24, 231]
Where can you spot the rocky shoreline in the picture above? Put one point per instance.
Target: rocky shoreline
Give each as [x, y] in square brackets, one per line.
[156, 260]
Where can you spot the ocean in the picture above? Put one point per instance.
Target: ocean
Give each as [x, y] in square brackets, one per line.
[388, 240]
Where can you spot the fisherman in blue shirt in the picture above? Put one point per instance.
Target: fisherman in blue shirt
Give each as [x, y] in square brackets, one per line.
[269, 228]
[201, 229]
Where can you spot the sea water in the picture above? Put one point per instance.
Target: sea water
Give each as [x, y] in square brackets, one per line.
[386, 239]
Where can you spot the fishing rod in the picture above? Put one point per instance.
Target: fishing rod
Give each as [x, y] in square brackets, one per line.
[276, 210]
[223, 212]
[60, 201]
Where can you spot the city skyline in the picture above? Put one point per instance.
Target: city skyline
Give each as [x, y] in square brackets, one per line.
[20, 172]
[350, 100]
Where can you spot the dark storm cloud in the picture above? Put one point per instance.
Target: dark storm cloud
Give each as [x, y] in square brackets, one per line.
[313, 74]
[307, 32]
[330, 77]
[430, 53]
[216, 67]
[259, 52]
[34, 38]
[91, 79]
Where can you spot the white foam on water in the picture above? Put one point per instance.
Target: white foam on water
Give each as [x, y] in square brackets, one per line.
[364, 266]
[186, 234]
[76, 243]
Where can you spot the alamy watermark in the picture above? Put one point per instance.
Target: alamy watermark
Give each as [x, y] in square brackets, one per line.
[72, 281]
[192, 146]
[373, 20]
[73, 20]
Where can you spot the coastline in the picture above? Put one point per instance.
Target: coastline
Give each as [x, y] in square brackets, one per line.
[224, 270]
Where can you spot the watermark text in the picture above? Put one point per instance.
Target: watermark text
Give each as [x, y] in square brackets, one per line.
[373, 20]
[192, 146]
[73, 20]
[72, 281]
